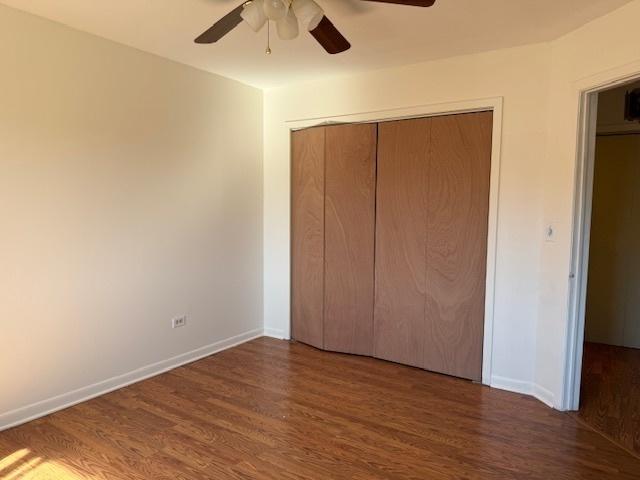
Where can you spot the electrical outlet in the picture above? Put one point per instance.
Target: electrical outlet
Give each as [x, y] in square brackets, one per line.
[179, 322]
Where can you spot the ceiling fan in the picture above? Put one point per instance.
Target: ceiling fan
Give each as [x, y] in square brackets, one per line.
[289, 16]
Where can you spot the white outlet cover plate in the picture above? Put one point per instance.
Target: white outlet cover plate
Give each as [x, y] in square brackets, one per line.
[179, 322]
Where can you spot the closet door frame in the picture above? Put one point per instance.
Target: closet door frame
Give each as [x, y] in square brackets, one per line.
[494, 105]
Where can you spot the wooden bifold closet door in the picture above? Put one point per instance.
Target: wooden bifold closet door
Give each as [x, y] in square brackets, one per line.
[389, 240]
[307, 236]
[457, 231]
[401, 238]
[350, 192]
[333, 218]
[431, 242]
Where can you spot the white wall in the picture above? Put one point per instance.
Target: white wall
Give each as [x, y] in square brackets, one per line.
[130, 193]
[541, 86]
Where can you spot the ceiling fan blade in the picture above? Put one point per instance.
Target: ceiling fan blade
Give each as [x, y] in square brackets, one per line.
[329, 37]
[411, 3]
[222, 26]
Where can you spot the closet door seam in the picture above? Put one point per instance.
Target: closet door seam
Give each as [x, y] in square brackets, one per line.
[324, 240]
[374, 352]
[426, 243]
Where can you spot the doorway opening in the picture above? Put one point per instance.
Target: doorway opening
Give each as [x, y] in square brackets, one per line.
[606, 383]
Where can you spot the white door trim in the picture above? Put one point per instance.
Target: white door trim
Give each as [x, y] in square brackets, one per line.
[588, 90]
[494, 104]
[580, 249]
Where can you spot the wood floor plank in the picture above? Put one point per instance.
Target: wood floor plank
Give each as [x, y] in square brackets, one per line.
[271, 409]
[610, 396]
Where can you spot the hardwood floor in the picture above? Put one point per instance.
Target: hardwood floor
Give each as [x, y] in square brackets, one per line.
[273, 410]
[610, 395]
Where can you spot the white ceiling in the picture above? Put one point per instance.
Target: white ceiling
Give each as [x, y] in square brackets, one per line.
[381, 35]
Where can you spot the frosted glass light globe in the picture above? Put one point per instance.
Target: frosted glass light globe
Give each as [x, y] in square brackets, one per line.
[275, 9]
[288, 26]
[253, 14]
[308, 12]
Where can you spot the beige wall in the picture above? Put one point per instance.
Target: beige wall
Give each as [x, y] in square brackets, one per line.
[541, 87]
[130, 193]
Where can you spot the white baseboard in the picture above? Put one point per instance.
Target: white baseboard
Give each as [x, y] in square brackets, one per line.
[526, 388]
[275, 333]
[22, 415]
[511, 385]
[544, 395]
[36, 410]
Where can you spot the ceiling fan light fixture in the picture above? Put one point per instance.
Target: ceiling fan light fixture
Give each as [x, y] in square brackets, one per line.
[275, 9]
[308, 12]
[253, 14]
[288, 26]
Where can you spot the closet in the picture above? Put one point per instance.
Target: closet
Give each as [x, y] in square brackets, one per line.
[389, 240]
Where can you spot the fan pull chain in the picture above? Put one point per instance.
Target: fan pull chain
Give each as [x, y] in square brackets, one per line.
[268, 50]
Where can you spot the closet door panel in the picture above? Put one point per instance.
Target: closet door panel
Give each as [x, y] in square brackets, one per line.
[349, 238]
[401, 236]
[307, 235]
[457, 222]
